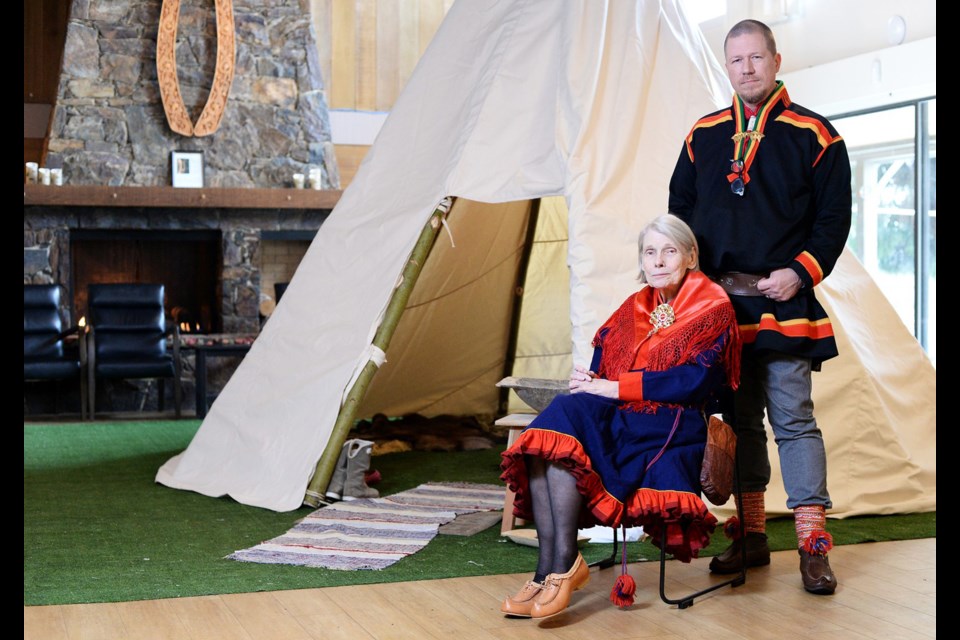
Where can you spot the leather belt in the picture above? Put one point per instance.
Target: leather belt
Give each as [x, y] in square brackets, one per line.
[736, 283]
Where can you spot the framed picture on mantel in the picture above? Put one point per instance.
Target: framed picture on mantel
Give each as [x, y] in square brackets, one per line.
[186, 167]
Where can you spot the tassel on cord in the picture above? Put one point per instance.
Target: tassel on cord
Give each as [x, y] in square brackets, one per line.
[625, 586]
[731, 528]
[818, 543]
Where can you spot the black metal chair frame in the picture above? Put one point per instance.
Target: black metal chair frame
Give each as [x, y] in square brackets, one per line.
[687, 600]
[738, 579]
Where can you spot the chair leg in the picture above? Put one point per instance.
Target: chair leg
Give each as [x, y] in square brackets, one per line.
[177, 395]
[83, 395]
[606, 563]
[92, 396]
[177, 374]
[735, 581]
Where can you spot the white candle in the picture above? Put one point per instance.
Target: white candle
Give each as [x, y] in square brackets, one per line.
[298, 181]
[44, 174]
[316, 179]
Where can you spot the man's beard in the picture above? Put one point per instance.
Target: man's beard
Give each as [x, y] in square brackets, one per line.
[754, 95]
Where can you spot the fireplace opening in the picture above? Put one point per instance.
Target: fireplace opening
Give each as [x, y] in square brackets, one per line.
[187, 263]
[280, 255]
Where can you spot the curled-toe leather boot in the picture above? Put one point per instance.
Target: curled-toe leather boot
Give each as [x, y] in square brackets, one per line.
[730, 561]
[816, 573]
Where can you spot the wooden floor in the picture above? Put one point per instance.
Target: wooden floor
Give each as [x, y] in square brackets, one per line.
[887, 591]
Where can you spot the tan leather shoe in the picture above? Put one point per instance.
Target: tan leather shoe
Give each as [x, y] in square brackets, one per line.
[558, 587]
[520, 604]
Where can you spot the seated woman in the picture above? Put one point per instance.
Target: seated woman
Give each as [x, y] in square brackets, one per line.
[626, 446]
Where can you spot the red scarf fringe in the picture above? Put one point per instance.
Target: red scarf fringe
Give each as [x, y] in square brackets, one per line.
[689, 338]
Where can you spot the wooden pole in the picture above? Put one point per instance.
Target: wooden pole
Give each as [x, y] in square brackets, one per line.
[398, 302]
[518, 292]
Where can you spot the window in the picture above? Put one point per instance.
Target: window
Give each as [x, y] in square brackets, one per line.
[893, 157]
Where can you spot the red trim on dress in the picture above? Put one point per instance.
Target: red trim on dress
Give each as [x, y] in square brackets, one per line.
[679, 517]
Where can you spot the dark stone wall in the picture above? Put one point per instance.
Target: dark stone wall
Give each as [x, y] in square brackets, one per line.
[109, 127]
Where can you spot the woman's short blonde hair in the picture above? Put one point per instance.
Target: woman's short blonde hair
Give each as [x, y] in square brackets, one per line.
[675, 229]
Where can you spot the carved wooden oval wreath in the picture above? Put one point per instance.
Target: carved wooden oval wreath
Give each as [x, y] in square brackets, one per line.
[173, 106]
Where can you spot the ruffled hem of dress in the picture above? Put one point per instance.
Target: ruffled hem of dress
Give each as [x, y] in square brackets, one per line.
[678, 517]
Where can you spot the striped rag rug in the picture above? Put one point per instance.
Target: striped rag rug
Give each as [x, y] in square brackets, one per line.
[373, 533]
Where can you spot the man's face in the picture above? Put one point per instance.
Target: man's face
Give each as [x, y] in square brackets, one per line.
[751, 67]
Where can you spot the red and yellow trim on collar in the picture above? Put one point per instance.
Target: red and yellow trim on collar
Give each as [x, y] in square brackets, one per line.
[801, 328]
[704, 123]
[812, 266]
[819, 129]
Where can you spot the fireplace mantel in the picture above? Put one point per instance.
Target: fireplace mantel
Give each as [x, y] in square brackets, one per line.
[246, 218]
[174, 197]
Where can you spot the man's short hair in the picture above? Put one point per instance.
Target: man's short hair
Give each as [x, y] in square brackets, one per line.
[751, 26]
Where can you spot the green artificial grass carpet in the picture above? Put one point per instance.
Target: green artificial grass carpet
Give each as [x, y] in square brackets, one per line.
[97, 528]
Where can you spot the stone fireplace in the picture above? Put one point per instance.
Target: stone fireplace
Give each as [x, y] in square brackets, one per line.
[109, 127]
[187, 262]
[218, 249]
[211, 258]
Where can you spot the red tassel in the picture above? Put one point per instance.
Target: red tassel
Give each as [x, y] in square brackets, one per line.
[731, 528]
[623, 590]
[818, 543]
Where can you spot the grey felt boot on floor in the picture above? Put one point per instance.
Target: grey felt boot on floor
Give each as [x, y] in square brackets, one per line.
[358, 463]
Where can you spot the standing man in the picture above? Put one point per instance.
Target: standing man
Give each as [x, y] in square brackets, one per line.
[765, 185]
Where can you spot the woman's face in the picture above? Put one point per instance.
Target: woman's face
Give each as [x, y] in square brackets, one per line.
[665, 264]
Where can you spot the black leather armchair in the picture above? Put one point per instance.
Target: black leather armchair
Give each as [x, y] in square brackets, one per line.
[46, 352]
[127, 338]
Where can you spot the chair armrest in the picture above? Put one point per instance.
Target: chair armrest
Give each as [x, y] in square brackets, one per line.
[83, 344]
[172, 329]
[66, 333]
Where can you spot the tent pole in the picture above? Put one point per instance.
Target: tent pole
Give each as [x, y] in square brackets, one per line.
[391, 317]
[518, 290]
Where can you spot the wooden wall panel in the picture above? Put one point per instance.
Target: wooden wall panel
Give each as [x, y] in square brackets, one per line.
[369, 48]
[366, 82]
[409, 39]
[322, 17]
[388, 53]
[44, 32]
[431, 15]
[342, 91]
[349, 157]
[33, 150]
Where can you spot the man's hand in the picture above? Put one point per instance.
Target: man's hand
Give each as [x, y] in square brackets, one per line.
[781, 285]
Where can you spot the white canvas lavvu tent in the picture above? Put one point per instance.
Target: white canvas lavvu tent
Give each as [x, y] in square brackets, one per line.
[585, 105]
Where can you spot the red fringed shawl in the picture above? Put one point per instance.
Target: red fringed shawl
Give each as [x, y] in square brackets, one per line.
[703, 314]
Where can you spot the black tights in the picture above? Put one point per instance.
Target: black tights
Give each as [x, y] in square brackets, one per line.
[556, 512]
